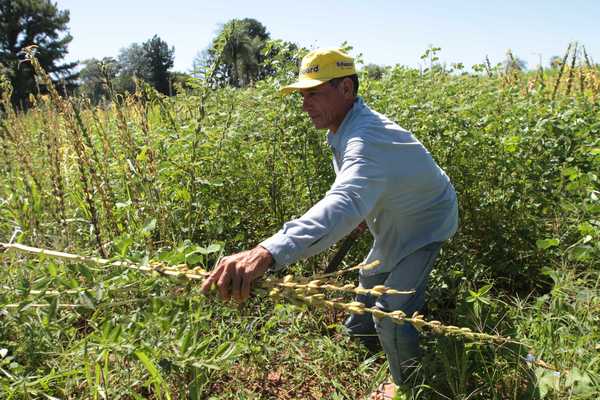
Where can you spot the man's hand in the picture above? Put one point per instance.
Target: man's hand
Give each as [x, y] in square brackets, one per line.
[234, 274]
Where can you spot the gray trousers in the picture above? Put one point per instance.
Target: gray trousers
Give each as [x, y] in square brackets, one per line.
[400, 342]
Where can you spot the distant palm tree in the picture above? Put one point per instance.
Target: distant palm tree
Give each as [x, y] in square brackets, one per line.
[512, 63]
[241, 42]
[239, 53]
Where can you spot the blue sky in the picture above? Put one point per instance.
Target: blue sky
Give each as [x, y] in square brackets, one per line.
[385, 32]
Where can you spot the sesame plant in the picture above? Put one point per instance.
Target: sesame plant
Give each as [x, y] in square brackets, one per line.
[145, 193]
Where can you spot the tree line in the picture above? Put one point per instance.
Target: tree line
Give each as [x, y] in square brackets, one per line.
[238, 56]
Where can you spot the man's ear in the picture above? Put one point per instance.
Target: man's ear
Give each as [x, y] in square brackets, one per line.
[348, 88]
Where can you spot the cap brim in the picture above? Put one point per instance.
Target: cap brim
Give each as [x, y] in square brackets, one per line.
[303, 84]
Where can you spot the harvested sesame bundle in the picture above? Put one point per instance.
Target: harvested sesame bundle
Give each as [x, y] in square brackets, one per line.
[313, 292]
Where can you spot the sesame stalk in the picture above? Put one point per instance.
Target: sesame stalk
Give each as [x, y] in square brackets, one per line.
[283, 289]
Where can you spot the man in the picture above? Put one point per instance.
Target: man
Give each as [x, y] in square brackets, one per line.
[385, 177]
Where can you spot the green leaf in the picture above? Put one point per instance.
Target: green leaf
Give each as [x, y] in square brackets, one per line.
[149, 365]
[548, 381]
[185, 341]
[213, 248]
[52, 269]
[208, 365]
[194, 258]
[115, 333]
[484, 289]
[52, 310]
[580, 382]
[544, 244]
[581, 252]
[149, 226]
[122, 244]
[123, 204]
[225, 351]
[86, 301]
[85, 271]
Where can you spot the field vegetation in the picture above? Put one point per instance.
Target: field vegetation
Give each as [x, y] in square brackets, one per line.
[215, 169]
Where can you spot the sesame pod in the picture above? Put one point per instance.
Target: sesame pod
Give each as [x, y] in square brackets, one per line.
[356, 310]
[398, 314]
[356, 304]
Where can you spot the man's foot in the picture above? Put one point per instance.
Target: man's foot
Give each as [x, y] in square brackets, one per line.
[390, 391]
[385, 391]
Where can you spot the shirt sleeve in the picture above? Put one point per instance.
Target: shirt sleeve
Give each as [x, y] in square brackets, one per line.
[358, 187]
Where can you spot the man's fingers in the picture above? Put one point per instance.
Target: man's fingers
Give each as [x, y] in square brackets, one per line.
[236, 282]
[224, 282]
[246, 285]
[208, 282]
[235, 274]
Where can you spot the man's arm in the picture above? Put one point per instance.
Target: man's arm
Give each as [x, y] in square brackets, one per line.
[357, 188]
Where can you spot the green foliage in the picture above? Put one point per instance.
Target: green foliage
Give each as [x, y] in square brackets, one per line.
[33, 22]
[149, 61]
[242, 53]
[96, 76]
[159, 59]
[374, 71]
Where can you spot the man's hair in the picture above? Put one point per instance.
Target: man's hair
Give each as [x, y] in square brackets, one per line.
[336, 81]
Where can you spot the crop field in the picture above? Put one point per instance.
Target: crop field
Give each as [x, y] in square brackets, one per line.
[148, 191]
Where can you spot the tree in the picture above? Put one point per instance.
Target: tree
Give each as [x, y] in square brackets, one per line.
[95, 77]
[237, 51]
[34, 22]
[159, 58]
[374, 71]
[280, 58]
[555, 62]
[149, 61]
[513, 63]
[132, 63]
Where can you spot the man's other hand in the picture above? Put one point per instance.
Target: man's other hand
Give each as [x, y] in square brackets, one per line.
[234, 274]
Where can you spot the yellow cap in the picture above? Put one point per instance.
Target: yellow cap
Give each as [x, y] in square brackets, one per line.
[320, 66]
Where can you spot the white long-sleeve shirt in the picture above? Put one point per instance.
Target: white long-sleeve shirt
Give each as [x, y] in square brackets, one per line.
[383, 176]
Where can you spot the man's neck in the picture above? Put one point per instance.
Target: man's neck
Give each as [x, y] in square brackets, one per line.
[349, 106]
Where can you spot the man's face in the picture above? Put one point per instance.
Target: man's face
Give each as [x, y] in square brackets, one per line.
[325, 105]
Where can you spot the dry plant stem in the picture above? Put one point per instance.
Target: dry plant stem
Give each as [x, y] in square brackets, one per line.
[97, 168]
[488, 66]
[56, 161]
[364, 267]
[540, 78]
[66, 108]
[316, 299]
[581, 80]
[560, 72]
[572, 70]
[198, 133]
[318, 284]
[417, 320]
[179, 271]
